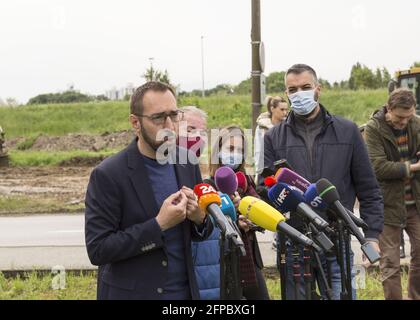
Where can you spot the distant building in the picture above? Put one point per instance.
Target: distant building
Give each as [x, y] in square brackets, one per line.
[120, 94]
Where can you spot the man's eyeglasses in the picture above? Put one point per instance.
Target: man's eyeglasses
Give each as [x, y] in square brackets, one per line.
[160, 118]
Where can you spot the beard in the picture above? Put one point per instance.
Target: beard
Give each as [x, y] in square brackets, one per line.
[149, 140]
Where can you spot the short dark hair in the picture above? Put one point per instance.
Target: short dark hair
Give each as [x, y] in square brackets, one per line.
[401, 98]
[136, 102]
[300, 68]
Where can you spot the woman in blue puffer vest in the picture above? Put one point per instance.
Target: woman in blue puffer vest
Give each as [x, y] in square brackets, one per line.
[206, 254]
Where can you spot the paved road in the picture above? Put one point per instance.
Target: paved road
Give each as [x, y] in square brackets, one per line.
[46, 241]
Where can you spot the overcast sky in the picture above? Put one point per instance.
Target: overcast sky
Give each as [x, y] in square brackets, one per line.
[96, 45]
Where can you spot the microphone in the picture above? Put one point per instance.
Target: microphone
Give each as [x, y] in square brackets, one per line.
[282, 163]
[286, 199]
[265, 216]
[292, 178]
[210, 201]
[312, 197]
[329, 194]
[270, 181]
[242, 183]
[227, 206]
[228, 209]
[226, 180]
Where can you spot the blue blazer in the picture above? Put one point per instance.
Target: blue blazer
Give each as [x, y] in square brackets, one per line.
[122, 235]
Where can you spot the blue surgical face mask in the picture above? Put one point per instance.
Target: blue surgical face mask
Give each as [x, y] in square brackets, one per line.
[232, 160]
[303, 102]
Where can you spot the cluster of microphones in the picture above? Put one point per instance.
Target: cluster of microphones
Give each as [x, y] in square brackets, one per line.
[285, 192]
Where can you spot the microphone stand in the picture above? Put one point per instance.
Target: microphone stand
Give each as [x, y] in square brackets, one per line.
[348, 264]
[307, 274]
[296, 270]
[281, 263]
[344, 295]
[321, 276]
[317, 266]
[230, 282]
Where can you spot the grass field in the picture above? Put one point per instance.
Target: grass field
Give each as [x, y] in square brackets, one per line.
[96, 118]
[49, 158]
[23, 205]
[33, 286]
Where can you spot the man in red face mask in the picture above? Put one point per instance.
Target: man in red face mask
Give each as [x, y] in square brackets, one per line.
[192, 132]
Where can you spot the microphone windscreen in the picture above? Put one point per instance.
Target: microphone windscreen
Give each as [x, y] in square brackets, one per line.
[292, 178]
[260, 213]
[227, 207]
[206, 195]
[226, 181]
[327, 191]
[313, 199]
[270, 181]
[242, 182]
[284, 197]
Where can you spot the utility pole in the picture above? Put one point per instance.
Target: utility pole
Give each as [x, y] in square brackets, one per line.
[257, 62]
[202, 66]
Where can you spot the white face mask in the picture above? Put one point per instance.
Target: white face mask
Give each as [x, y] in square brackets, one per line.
[303, 102]
[232, 160]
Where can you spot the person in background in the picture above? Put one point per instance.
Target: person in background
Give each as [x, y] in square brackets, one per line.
[229, 150]
[193, 130]
[205, 254]
[320, 145]
[141, 214]
[393, 141]
[277, 110]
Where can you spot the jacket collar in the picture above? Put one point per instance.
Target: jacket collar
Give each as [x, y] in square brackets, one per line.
[328, 118]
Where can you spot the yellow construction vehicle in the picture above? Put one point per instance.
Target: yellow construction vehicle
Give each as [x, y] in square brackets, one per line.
[409, 79]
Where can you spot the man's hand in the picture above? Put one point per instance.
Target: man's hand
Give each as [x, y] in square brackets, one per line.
[194, 213]
[173, 211]
[365, 261]
[415, 166]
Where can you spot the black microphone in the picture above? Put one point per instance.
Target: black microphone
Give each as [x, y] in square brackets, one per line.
[329, 194]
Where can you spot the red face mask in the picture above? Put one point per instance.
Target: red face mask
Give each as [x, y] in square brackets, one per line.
[191, 143]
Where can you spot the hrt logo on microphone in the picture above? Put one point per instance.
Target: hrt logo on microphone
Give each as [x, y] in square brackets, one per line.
[282, 196]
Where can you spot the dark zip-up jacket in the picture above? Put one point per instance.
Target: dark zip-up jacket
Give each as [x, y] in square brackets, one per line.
[338, 154]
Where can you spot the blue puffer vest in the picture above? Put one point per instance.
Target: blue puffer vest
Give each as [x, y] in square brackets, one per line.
[206, 261]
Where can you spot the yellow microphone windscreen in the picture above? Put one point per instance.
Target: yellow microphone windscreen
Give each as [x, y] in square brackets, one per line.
[260, 213]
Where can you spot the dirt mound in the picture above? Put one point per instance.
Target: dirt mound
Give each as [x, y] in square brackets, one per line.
[82, 162]
[115, 140]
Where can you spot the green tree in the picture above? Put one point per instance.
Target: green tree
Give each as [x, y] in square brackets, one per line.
[361, 77]
[275, 82]
[152, 74]
[386, 77]
[416, 64]
[324, 83]
[63, 97]
[244, 87]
